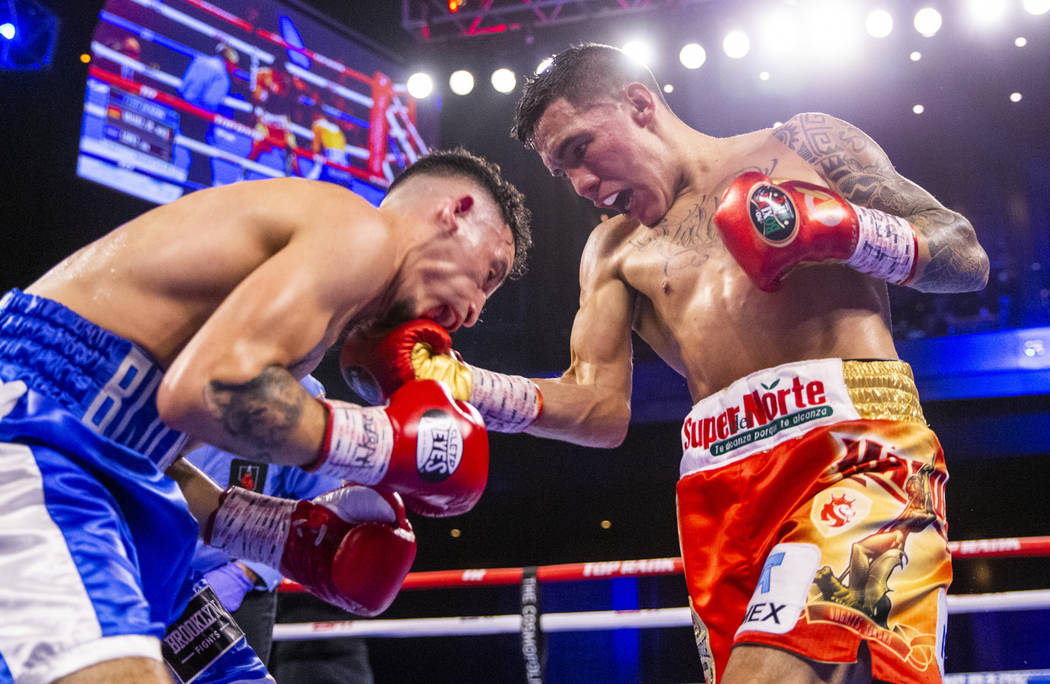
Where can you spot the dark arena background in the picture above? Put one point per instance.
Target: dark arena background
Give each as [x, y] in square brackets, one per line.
[99, 125]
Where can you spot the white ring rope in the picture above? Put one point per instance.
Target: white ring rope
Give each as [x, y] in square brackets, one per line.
[592, 620]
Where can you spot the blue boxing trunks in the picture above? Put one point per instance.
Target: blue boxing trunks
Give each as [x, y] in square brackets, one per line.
[95, 542]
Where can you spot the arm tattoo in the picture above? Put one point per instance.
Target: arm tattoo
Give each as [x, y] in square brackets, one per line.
[856, 167]
[261, 414]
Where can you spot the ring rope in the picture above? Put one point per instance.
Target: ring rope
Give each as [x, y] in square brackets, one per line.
[569, 572]
[647, 618]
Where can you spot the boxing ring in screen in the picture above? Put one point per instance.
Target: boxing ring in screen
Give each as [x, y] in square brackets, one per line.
[531, 621]
[140, 118]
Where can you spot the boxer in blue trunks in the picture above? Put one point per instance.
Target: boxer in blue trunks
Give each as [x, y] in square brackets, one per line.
[198, 319]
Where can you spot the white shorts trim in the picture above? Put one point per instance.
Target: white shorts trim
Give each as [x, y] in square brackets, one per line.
[762, 410]
[91, 653]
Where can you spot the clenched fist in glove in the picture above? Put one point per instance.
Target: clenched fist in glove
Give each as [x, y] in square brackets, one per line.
[769, 227]
[422, 350]
[425, 445]
[351, 547]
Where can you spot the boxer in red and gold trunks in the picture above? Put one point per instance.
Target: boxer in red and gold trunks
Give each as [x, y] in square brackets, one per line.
[839, 487]
[811, 496]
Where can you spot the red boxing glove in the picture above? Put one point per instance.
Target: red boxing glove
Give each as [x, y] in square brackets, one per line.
[770, 227]
[425, 445]
[422, 350]
[351, 547]
[374, 368]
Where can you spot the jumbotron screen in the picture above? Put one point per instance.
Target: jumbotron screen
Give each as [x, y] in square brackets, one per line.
[187, 94]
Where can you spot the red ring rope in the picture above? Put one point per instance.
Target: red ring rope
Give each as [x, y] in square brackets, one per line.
[568, 572]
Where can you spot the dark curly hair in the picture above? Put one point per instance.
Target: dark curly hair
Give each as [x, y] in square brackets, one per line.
[461, 162]
[580, 74]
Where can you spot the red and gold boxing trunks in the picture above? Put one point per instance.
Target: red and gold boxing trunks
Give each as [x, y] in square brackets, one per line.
[811, 517]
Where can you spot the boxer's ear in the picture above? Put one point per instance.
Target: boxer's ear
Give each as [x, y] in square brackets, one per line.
[447, 215]
[453, 209]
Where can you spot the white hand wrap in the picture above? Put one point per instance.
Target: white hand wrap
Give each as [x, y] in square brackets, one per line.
[507, 403]
[886, 246]
[252, 526]
[358, 443]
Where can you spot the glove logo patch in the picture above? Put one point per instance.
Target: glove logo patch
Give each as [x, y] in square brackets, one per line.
[439, 446]
[772, 214]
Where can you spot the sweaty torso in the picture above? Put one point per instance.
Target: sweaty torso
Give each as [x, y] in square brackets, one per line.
[158, 278]
[699, 311]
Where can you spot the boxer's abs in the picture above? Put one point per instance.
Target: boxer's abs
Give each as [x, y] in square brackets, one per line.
[714, 326]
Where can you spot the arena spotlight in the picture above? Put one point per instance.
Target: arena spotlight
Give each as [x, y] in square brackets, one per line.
[420, 85]
[879, 23]
[639, 51]
[736, 44]
[918, 109]
[668, 88]
[927, 21]
[504, 80]
[692, 55]
[779, 33]
[1015, 97]
[915, 56]
[984, 12]
[28, 35]
[544, 63]
[1036, 7]
[461, 82]
[831, 29]
[1020, 41]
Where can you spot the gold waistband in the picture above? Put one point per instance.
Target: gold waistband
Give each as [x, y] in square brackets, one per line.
[883, 390]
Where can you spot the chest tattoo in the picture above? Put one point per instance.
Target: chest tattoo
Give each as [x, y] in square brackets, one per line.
[682, 240]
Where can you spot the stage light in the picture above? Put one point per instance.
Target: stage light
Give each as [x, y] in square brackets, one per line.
[763, 76]
[420, 85]
[928, 21]
[668, 88]
[504, 80]
[918, 109]
[1015, 97]
[1036, 6]
[736, 44]
[454, 5]
[461, 82]
[778, 31]
[640, 51]
[1020, 41]
[29, 32]
[85, 58]
[831, 31]
[542, 66]
[879, 23]
[692, 55]
[984, 12]
[915, 56]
